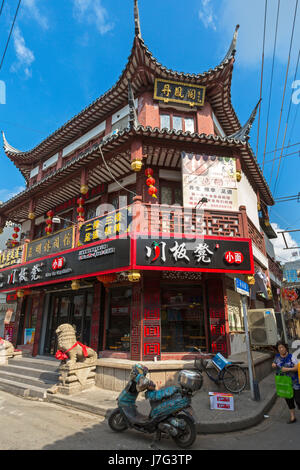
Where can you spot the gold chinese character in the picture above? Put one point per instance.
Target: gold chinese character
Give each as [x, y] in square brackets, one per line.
[38, 248]
[199, 96]
[108, 230]
[178, 92]
[166, 90]
[191, 94]
[88, 237]
[29, 252]
[47, 246]
[118, 217]
[56, 243]
[95, 229]
[67, 239]
[117, 228]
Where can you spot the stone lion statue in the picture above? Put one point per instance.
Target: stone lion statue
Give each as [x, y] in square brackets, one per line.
[6, 348]
[71, 350]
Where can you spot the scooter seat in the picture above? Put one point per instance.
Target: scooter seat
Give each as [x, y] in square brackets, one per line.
[163, 393]
[134, 416]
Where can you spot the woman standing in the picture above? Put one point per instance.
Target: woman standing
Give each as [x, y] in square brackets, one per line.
[285, 362]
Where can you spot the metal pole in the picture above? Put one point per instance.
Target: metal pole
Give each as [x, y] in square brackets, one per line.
[253, 386]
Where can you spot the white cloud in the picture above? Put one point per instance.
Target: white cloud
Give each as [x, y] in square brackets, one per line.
[283, 255]
[24, 55]
[92, 12]
[31, 9]
[6, 194]
[206, 14]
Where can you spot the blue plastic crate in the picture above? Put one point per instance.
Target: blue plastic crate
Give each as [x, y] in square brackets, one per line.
[220, 362]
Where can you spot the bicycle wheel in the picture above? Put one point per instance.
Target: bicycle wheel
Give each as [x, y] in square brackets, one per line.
[234, 378]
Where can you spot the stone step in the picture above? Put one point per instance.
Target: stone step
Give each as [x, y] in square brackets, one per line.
[42, 374]
[23, 390]
[34, 363]
[25, 379]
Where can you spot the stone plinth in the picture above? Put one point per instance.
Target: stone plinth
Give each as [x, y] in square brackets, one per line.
[76, 377]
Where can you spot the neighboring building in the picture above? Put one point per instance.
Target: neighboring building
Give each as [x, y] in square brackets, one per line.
[134, 296]
[291, 273]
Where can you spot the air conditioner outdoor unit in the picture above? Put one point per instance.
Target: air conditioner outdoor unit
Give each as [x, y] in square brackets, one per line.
[262, 327]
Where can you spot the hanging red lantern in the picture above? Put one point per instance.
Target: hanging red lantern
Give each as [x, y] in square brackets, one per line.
[15, 236]
[151, 182]
[49, 222]
[148, 172]
[80, 209]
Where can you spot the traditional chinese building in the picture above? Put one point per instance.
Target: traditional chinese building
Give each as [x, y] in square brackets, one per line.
[137, 216]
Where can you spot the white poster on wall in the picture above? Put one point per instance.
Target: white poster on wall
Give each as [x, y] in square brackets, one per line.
[211, 177]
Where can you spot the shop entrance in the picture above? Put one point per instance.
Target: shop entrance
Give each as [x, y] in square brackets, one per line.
[73, 308]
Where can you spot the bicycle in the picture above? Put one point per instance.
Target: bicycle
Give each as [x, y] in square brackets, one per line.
[232, 375]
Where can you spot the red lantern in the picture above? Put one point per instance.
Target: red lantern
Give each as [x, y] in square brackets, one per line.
[50, 214]
[48, 230]
[80, 210]
[152, 191]
[148, 172]
[16, 229]
[80, 201]
[15, 235]
[150, 181]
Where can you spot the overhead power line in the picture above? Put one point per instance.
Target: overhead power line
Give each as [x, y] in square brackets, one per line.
[285, 83]
[2, 5]
[286, 125]
[271, 84]
[10, 33]
[262, 74]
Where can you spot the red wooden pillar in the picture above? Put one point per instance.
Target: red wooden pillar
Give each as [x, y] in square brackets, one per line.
[136, 323]
[151, 320]
[217, 317]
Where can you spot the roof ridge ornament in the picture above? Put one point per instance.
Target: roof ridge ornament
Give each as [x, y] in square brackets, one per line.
[133, 119]
[7, 147]
[137, 25]
[232, 49]
[243, 132]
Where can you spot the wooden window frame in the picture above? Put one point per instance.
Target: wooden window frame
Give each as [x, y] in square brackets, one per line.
[174, 113]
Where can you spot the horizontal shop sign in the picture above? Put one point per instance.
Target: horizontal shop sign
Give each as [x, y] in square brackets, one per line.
[179, 92]
[106, 226]
[55, 243]
[11, 256]
[201, 254]
[69, 265]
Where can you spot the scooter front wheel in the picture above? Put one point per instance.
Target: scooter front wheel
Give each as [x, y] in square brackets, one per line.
[117, 422]
[187, 437]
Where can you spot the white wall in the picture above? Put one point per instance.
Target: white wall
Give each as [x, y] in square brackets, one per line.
[247, 197]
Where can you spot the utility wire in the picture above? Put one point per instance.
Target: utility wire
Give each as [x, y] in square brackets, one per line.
[284, 156]
[2, 6]
[271, 84]
[286, 147]
[286, 125]
[284, 90]
[262, 74]
[10, 33]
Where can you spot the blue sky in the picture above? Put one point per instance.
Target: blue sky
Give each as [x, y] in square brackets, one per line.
[64, 54]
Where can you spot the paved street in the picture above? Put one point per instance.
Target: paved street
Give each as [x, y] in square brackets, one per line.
[32, 425]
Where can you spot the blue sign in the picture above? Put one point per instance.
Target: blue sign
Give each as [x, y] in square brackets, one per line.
[241, 287]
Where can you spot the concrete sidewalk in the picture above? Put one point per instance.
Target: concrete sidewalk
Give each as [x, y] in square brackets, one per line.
[247, 412]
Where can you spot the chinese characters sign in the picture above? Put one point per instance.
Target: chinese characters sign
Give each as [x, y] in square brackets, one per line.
[211, 177]
[11, 257]
[107, 226]
[225, 255]
[178, 92]
[113, 254]
[59, 241]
